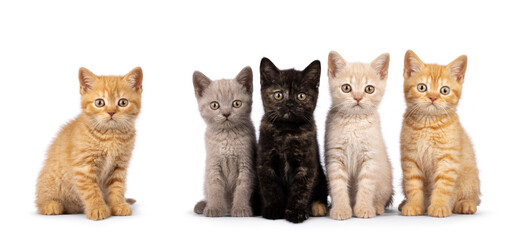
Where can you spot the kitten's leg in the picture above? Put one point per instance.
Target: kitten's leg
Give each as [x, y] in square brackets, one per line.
[85, 178]
[46, 194]
[116, 186]
[413, 186]
[366, 189]
[320, 194]
[467, 190]
[271, 191]
[297, 209]
[242, 194]
[444, 181]
[215, 193]
[338, 182]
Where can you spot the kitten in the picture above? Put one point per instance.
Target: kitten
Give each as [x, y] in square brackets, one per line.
[230, 142]
[438, 162]
[291, 178]
[86, 166]
[358, 167]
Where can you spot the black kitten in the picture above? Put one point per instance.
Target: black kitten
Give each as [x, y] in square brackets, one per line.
[291, 178]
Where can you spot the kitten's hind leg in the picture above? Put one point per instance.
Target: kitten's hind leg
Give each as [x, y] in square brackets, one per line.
[319, 205]
[200, 207]
[51, 208]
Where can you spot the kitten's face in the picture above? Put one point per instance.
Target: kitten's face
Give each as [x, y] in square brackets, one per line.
[289, 95]
[357, 88]
[225, 103]
[111, 102]
[432, 89]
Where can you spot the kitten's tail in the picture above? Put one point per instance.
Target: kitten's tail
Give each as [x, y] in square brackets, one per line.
[130, 201]
[200, 206]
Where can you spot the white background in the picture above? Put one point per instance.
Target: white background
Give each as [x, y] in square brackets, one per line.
[43, 44]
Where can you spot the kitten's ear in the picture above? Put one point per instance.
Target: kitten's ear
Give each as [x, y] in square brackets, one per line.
[312, 73]
[86, 79]
[336, 64]
[268, 71]
[381, 65]
[458, 67]
[245, 78]
[135, 78]
[412, 64]
[201, 82]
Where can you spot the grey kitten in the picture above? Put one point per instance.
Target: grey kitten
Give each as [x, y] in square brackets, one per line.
[230, 143]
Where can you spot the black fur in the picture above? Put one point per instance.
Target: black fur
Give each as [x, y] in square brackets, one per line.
[288, 166]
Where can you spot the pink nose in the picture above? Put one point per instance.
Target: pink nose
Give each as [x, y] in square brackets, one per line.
[358, 98]
[111, 113]
[433, 98]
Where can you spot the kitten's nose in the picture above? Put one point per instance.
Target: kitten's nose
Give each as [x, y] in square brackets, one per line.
[433, 98]
[111, 113]
[289, 104]
[358, 98]
[226, 115]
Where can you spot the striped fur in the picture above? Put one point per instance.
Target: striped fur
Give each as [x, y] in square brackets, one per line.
[437, 157]
[86, 166]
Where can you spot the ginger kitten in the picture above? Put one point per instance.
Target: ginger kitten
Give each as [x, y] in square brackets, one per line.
[230, 179]
[86, 166]
[358, 167]
[438, 162]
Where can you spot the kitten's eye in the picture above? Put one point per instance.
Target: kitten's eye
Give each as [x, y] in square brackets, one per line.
[346, 88]
[237, 104]
[278, 96]
[445, 90]
[301, 96]
[123, 102]
[99, 103]
[421, 87]
[369, 89]
[214, 105]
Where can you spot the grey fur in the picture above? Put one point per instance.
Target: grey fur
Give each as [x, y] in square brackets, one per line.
[230, 145]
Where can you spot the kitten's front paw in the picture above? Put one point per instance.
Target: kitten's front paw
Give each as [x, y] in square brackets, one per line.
[340, 213]
[213, 212]
[296, 216]
[242, 211]
[465, 207]
[122, 210]
[364, 211]
[412, 210]
[98, 213]
[436, 210]
[273, 213]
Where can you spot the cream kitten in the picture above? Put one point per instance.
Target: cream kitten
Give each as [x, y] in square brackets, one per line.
[358, 168]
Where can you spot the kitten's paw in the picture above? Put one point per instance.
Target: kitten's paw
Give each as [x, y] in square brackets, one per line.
[200, 207]
[412, 210]
[465, 207]
[98, 213]
[122, 210]
[341, 213]
[296, 216]
[52, 208]
[213, 212]
[436, 210]
[379, 209]
[402, 204]
[273, 213]
[242, 212]
[364, 211]
[318, 209]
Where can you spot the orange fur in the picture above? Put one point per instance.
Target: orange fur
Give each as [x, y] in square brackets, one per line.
[438, 161]
[86, 166]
